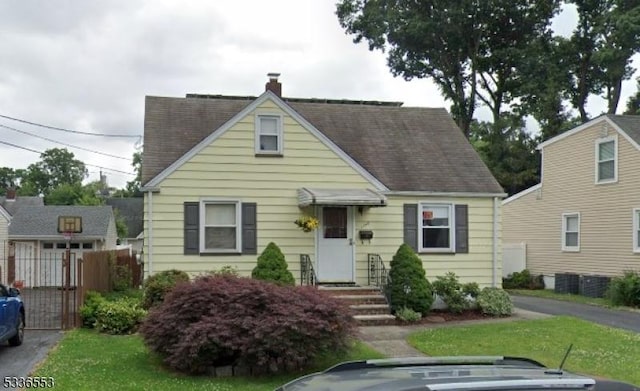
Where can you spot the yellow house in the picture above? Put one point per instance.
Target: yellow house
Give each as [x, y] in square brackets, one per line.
[225, 175]
[583, 217]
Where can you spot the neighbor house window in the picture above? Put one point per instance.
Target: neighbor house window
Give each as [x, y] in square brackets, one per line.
[571, 232]
[606, 160]
[636, 230]
[220, 226]
[269, 134]
[47, 245]
[436, 227]
[87, 246]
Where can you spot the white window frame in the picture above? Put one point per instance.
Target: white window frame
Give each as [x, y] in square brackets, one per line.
[279, 121]
[203, 205]
[564, 232]
[452, 228]
[615, 159]
[636, 230]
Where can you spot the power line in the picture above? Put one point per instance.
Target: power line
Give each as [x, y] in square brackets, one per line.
[68, 130]
[60, 142]
[86, 164]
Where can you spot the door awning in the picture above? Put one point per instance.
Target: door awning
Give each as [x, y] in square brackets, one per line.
[307, 196]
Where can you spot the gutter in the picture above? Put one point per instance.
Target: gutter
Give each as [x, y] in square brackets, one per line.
[150, 230]
[494, 275]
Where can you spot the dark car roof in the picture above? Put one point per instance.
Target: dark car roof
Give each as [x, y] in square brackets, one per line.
[447, 373]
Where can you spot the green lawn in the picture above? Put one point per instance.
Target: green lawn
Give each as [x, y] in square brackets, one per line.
[597, 350]
[86, 360]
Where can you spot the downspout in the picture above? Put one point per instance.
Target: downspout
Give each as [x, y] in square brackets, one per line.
[150, 230]
[494, 276]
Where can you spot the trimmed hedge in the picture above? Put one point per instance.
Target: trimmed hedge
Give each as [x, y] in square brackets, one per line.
[408, 286]
[495, 302]
[226, 320]
[122, 316]
[625, 290]
[273, 267]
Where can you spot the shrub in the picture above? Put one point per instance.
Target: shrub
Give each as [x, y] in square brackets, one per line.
[523, 280]
[227, 269]
[625, 290]
[92, 302]
[273, 267]
[495, 302]
[119, 317]
[247, 322]
[456, 296]
[408, 286]
[408, 315]
[158, 285]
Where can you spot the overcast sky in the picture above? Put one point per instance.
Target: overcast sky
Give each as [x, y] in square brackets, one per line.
[87, 66]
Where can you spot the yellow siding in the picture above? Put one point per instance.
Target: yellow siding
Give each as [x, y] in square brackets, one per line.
[387, 225]
[569, 186]
[229, 168]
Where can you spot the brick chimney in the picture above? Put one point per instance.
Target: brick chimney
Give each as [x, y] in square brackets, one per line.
[273, 85]
[11, 194]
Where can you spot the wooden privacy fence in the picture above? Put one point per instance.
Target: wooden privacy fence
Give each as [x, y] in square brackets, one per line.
[97, 270]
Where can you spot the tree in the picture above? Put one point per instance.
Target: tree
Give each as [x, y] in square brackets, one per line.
[509, 152]
[471, 49]
[600, 50]
[8, 179]
[57, 166]
[633, 104]
[133, 187]
[74, 194]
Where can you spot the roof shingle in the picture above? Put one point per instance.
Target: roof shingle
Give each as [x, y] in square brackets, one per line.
[406, 148]
[43, 220]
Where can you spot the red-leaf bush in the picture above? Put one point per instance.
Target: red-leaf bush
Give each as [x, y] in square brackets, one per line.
[228, 320]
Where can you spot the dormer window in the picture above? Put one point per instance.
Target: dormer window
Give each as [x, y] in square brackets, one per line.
[606, 160]
[269, 135]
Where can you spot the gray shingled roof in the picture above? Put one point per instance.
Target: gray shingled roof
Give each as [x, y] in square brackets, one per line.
[131, 210]
[12, 206]
[43, 220]
[629, 123]
[406, 148]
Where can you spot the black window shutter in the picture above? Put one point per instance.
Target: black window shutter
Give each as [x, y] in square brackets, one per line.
[249, 228]
[191, 227]
[462, 229]
[411, 225]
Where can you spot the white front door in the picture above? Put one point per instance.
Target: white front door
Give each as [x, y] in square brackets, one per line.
[335, 244]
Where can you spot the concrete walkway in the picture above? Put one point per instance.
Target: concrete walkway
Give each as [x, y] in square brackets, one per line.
[391, 340]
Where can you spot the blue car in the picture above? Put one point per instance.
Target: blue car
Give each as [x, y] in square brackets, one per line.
[11, 316]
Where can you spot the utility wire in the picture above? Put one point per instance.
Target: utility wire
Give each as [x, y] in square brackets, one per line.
[60, 142]
[68, 130]
[86, 164]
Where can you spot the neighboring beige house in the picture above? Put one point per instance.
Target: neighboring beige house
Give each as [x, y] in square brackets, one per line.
[225, 175]
[583, 217]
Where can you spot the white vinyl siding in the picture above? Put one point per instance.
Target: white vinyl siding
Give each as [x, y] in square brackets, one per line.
[269, 134]
[436, 233]
[636, 230]
[570, 232]
[219, 226]
[606, 160]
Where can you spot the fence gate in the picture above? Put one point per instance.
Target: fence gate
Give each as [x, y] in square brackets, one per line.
[41, 278]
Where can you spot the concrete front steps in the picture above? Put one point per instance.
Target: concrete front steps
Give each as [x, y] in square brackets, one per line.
[368, 304]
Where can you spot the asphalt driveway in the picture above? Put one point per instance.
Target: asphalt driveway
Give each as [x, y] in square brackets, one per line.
[627, 320]
[21, 360]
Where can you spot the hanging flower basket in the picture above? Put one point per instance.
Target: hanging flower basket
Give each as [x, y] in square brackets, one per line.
[307, 223]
